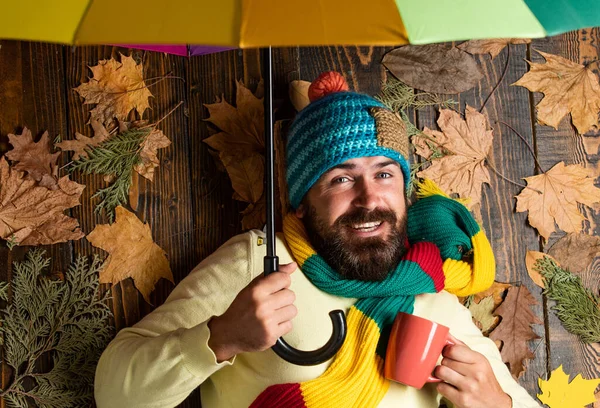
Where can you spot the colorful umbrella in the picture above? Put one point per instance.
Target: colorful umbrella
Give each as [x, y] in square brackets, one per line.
[260, 23]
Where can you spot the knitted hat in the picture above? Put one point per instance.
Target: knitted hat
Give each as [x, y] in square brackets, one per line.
[340, 126]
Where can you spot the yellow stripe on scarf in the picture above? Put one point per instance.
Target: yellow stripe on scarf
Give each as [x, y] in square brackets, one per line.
[355, 378]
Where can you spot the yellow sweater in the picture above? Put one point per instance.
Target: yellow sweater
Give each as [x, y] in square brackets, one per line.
[160, 360]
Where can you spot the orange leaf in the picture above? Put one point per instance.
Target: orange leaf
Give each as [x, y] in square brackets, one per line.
[34, 158]
[514, 331]
[133, 253]
[299, 94]
[116, 88]
[34, 214]
[530, 259]
[491, 46]
[81, 142]
[148, 155]
[558, 192]
[464, 145]
[568, 87]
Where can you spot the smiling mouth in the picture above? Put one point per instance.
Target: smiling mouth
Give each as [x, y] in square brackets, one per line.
[367, 226]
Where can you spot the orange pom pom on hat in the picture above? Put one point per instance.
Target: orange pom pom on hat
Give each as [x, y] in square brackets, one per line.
[340, 125]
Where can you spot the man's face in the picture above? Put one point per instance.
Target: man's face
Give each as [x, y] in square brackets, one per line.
[355, 216]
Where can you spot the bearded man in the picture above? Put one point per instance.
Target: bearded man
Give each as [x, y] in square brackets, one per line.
[351, 243]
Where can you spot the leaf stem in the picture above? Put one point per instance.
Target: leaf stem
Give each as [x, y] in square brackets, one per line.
[499, 81]
[509, 180]
[537, 163]
[153, 125]
[592, 62]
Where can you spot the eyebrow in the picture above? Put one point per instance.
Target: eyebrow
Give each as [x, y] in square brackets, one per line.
[350, 166]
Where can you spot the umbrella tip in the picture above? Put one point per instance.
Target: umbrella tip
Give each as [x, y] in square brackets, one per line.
[327, 83]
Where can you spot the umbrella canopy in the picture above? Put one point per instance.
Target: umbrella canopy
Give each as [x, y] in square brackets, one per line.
[259, 23]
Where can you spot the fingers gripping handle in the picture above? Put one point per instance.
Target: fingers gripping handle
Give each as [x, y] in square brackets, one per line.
[306, 358]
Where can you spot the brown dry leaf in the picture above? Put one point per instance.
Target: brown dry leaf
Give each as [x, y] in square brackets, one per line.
[34, 214]
[490, 46]
[34, 158]
[574, 252]
[597, 403]
[241, 148]
[154, 141]
[82, 142]
[514, 331]
[133, 253]
[116, 88]
[299, 94]
[255, 215]
[568, 87]
[561, 187]
[496, 291]
[464, 146]
[530, 259]
[482, 314]
[437, 68]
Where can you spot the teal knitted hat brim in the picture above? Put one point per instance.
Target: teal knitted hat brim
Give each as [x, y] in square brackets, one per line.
[330, 131]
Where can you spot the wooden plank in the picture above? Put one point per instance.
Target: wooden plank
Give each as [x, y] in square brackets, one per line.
[564, 144]
[32, 95]
[508, 232]
[165, 202]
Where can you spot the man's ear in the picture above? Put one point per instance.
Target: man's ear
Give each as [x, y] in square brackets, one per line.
[301, 211]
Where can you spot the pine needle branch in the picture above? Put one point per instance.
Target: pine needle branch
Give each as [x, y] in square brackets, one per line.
[117, 157]
[68, 321]
[576, 306]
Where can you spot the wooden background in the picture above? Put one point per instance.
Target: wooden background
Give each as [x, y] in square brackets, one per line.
[189, 204]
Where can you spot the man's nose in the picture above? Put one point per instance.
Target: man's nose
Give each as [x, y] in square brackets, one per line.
[366, 196]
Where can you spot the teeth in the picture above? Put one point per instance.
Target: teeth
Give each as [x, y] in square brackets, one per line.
[367, 225]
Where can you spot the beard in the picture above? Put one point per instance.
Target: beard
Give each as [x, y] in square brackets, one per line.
[365, 259]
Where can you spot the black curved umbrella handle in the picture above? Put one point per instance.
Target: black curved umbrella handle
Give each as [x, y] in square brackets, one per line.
[307, 358]
[338, 319]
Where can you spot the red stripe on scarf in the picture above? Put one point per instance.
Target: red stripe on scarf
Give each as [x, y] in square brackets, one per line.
[427, 255]
[279, 396]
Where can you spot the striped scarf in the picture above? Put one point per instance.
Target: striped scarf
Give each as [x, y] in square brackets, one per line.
[441, 233]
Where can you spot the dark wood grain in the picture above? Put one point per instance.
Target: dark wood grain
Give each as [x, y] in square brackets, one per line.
[565, 144]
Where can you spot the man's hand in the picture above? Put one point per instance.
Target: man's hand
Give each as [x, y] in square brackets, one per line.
[259, 315]
[469, 381]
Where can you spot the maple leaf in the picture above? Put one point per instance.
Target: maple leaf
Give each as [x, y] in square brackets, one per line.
[148, 153]
[575, 251]
[466, 144]
[33, 215]
[116, 88]
[496, 291]
[514, 330]
[558, 392]
[552, 197]
[492, 46]
[81, 142]
[133, 253]
[298, 92]
[568, 87]
[482, 314]
[241, 148]
[34, 158]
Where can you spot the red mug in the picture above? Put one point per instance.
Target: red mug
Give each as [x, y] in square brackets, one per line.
[413, 350]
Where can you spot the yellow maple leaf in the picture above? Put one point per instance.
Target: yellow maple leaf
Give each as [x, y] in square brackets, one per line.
[558, 392]
[464, 146]
[116, 88]
[492, 46]
[133, 253]
[552, 197]
[568, 87]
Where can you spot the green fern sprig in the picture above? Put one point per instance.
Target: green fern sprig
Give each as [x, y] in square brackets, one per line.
[116, 157]
[68, 321]
[576, 306]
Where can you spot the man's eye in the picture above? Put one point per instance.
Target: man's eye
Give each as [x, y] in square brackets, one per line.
[384, 175]
[340, 180]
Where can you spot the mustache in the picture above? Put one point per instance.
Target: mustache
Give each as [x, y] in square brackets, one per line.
[361, 215]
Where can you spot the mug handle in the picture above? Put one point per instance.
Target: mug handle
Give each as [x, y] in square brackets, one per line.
[432, 378]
